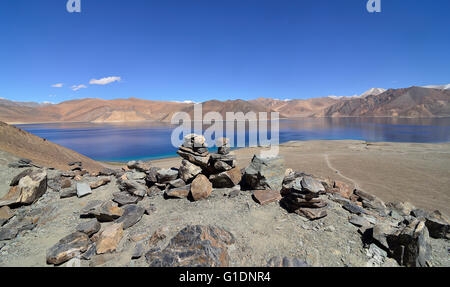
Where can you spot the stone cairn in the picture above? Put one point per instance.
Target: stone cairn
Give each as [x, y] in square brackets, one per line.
[301, 195]
[200, 171]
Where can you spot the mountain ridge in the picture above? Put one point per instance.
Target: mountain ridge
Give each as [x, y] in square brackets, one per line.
[414, 101]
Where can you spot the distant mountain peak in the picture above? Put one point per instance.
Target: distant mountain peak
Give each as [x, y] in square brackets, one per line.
[373, 92]
[439, 87]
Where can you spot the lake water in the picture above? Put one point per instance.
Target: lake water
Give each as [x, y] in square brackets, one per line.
[152, 140]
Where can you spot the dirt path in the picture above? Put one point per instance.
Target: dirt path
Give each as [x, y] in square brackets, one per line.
[327, 160]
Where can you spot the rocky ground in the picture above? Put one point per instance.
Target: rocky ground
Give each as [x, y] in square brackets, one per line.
[206, 211]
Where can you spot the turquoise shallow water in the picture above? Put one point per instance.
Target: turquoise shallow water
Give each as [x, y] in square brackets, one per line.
[151, 140]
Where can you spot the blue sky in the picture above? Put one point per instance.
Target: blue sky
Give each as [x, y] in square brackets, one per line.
[219, 49]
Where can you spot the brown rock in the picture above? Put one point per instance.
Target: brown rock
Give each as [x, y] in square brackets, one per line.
[188, 171]
[30, 188]
[179, 192]
[109, 238]
[108, 211]
[201, 187]
[100, 182]
[194, 246]
[226, 179]
[67, 248]
[311, 213]
[344, 189]
[264, 197]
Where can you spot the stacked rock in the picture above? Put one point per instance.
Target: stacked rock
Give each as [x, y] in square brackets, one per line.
[189, 181]
[301, 195]
[201, 171]
[222, 169]
[194, 150]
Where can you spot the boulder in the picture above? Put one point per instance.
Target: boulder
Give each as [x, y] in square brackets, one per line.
[201, 187]
[177, 183]
[68, 192]
[358, 221]
[152, 176]
[124, 198]
[139, 165]
[344, 189]
[311, 185]
[133, 187]
[264, 197]
[107, 172]
[411, 245]
[67, 248]
[132, 214]
[193, 141]
[109, 238]
[438, 225]
[194, 246]
[179, 192]
[226, 179]
[264, 173]
[198, 159]
[279, 261]
[29, 189]
[404, 208]
[92, 205]
[188, 170]
[137, 176]
[89, 227]
[100, 182]
[17, 178]
[83, 189]
[166, 175]
[107, 211]
[353, 208]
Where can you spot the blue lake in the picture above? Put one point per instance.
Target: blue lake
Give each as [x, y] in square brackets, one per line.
[152, 140]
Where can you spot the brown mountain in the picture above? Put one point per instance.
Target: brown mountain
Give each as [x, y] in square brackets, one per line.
[93, 110]
[415, 102]
[298, 108]
[410, 102]
[42, 152]
[230, 106]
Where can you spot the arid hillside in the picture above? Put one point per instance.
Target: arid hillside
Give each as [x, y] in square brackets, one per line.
[414, 102]
[298, 108]
[42, 152]
[411, 102]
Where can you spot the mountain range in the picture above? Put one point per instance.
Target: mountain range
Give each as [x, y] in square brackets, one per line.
[417, 102]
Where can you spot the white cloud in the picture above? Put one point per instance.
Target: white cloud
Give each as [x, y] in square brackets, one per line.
[59, 85]
[77, 87]
[52, 96]
[105, 81]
